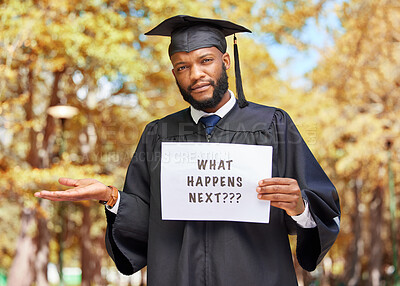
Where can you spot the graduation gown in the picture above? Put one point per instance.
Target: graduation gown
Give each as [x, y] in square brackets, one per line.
[183, 253]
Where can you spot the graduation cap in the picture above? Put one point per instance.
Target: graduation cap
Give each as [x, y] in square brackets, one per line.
[191, 33]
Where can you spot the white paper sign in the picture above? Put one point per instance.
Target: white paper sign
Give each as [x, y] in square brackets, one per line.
[214, 181]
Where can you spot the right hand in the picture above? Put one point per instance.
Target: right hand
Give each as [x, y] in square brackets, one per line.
[83, 189]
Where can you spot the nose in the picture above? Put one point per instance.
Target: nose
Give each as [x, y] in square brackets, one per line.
[196, 73]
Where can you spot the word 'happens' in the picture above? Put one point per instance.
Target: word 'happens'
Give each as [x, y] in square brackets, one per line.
[214, 181]
[214, 197]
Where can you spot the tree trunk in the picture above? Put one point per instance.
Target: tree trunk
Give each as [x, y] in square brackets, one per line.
[327, 271]
[99, 253]
[22, 270]
[356, 249]
[88, 264]
[48, 138]
[32, 157]
[85, 246]
[376, 244]
[42, 241]
[92, 251]
[32, 253]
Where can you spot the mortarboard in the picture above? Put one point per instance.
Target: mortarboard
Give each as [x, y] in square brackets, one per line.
[191, 33]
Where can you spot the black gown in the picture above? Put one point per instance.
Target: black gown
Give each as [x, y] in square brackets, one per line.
[183, 253]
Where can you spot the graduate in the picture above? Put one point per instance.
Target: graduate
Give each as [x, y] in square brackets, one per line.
[180, 253]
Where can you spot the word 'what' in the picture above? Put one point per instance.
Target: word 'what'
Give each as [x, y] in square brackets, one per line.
[214, 164]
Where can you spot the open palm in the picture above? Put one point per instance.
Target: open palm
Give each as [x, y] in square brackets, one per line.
[82, 189]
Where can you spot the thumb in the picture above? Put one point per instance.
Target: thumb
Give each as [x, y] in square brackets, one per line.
[68, 182]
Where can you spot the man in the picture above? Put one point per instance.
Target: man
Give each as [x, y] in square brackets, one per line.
[303, 199]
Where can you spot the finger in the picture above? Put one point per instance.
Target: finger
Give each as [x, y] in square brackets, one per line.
[287, 189]
[42, 194]
[279, 197]
[69, 195]
[55, 199]
[277, 181]
[68, 182]
[47, 195]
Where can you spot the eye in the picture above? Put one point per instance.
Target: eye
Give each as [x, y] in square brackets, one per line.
[206, 60]
[181, 68]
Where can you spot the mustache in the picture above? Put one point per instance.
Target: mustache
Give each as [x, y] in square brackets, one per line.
[210, 82]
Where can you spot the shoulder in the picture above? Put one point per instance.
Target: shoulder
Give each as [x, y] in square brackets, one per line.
[175, 124]
[179, 116]
[259, 107]
[260, 116]
[255, 108]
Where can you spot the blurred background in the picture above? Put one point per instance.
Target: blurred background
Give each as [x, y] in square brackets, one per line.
[79, 81]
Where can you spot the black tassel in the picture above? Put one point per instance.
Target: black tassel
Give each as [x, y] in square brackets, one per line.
[239, 88]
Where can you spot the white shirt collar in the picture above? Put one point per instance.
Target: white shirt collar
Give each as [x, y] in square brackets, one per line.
[197, 114]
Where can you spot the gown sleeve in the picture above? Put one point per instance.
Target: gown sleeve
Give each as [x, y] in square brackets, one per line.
[296, 161]
[127, 231]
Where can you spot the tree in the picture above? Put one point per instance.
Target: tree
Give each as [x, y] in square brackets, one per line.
[359, 81]
[92, 55]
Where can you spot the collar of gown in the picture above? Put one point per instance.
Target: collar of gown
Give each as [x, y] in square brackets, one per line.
[197, 114]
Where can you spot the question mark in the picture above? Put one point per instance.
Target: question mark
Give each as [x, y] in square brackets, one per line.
[239, 195]
[225, 196]
[232, 196]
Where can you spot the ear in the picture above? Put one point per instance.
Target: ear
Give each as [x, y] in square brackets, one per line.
[173, 72]
[226, 59]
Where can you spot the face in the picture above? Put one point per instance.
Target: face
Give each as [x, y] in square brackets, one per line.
[201, 77]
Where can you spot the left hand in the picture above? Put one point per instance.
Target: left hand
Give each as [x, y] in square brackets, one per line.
[284, 193]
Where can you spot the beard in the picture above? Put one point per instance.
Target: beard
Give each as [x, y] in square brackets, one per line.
[220, 89]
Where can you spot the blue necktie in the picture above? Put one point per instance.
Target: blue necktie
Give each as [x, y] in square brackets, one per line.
[209, 122]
